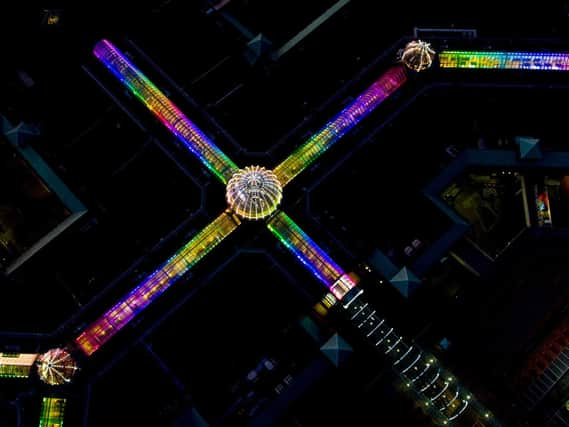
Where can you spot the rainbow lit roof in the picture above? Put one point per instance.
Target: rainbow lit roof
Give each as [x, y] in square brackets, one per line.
[52, 412]
[16, 365]
[308, 253]
[350, 116]
[120, 314]
[548, 61]
[165, 110]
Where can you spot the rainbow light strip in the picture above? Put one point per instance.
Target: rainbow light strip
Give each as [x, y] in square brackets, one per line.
[52, 412]
[309, 254]
[16, 365]
[341, 124]
[548, 61]
[154, 285]
[165, 110]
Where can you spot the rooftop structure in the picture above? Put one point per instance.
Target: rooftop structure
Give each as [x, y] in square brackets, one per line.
[253, 192]
[56, 367]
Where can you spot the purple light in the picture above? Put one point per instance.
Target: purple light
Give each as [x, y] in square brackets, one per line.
[350, 116]
[165, 110]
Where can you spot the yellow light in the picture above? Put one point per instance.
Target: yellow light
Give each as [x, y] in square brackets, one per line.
[253, 192]
[320, 309]
[52, 19]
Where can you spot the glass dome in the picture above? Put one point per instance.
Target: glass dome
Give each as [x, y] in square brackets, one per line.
[254, 192]
[56, 367]
[417, 55]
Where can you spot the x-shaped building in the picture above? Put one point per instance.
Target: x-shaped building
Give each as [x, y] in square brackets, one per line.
[254, 193]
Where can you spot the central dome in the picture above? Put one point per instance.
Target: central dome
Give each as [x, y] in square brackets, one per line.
[56, 366]
[254, 192]
[417, 55]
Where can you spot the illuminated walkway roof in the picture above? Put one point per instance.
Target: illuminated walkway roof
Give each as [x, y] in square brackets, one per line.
[424, 375]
